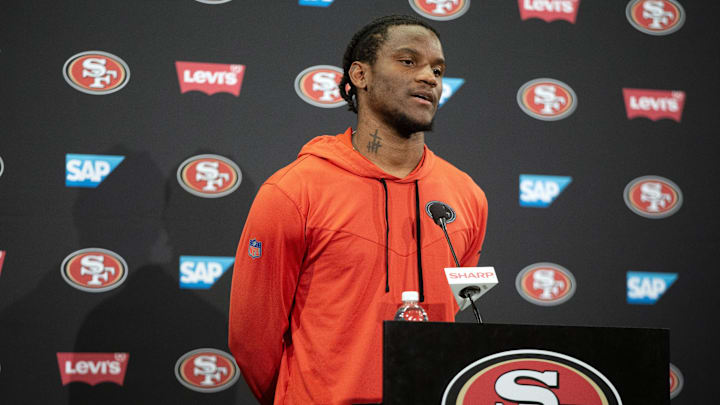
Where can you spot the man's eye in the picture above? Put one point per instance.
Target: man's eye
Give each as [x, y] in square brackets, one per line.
[438, 72]
[407, 62]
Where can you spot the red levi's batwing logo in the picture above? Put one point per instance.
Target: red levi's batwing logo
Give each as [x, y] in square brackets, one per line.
[654, 104]
[93, 368]
[210, 78]
[549, 10]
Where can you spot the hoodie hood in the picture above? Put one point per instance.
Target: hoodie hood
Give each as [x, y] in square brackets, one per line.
[339, 151]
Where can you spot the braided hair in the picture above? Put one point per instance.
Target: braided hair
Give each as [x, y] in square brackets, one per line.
[364, 46]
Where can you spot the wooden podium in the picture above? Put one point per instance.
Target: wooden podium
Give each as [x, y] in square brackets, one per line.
[494, 364]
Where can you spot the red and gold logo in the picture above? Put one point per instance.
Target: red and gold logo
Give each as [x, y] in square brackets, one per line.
[545, 284]
[440, 10]
[94, 270]
[547, 99]
[318, 85]
[530, 376]
[653, 197]
[655, 17]
[207, 370]
[209, 176]
[96, 72]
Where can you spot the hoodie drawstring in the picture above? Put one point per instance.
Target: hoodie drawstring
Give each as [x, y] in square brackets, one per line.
[387, 239]
[421, 290]
[417, 239]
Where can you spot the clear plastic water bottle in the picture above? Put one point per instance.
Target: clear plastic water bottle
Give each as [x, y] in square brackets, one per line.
[410, 310]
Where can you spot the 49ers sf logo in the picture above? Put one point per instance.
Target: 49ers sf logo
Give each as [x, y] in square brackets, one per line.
[655, 17]
[545, 284]
[96, 72]
[318, 85]
[440, 10]
[530, 377]
[209, 176]
[676, 381]
[547, 99]
[94, 270]
[653, 197]
[207, 370]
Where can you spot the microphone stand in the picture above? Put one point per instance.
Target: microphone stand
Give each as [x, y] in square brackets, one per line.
[467, 291]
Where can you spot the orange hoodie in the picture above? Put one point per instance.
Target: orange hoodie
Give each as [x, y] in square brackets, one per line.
[328, 247]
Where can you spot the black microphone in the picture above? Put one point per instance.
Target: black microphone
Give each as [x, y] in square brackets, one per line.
[441, 213]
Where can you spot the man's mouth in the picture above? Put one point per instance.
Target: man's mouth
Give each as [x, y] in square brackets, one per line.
[426, 97]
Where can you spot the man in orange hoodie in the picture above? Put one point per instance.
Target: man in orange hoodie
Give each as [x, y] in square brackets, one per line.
[333, 239]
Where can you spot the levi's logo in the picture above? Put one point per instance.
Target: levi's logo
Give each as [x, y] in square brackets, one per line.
[2, 259]
[654, 104]
[549, 10]
[210, 78]
[93, 368]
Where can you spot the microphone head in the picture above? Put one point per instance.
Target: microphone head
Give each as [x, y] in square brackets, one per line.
[439, 211]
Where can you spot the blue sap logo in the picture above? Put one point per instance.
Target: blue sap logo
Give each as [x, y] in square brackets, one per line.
[647, 288]
[450, 86]
[315, 3]
[201, 272]
[541, 191]
[89, 170]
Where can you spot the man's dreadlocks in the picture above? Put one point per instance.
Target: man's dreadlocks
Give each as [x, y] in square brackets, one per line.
[364, 46]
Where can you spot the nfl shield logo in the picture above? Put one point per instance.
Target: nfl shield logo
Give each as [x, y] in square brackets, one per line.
[255, 249]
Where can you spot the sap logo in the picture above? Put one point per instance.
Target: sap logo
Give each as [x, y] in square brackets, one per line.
[450, 86]
[315, 3]
[89, 170]
[201, 272]
[540, 191]
[647, 288]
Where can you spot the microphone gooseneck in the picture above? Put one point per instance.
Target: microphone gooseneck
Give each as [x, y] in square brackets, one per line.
[440, 214]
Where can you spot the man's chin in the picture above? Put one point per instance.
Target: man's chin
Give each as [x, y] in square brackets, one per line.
[407, 126]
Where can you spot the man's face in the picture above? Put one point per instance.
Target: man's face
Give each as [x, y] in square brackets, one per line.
[405, 82]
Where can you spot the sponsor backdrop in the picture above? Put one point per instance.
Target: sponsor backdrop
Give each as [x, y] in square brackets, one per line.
[134, 135]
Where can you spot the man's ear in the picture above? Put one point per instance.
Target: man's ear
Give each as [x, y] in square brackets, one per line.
[358, 73]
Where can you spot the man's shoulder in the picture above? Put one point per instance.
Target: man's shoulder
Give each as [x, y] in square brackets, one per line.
[302, 170]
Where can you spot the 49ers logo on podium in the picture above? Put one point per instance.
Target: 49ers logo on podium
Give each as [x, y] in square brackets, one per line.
[207, 370]
[96, 72]
[655, 17]
[94, 270]
[547, 99]
[545, 284]
[653, 197]
[440, 10]
[318, 85]
[530, 377]
[209, 176]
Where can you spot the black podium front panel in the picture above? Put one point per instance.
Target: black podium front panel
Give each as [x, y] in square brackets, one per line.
[490, 364]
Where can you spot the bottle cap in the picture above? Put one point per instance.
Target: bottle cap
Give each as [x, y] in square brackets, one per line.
[410, 296]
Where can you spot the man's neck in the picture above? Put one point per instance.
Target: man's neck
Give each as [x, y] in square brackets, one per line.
[386, 148]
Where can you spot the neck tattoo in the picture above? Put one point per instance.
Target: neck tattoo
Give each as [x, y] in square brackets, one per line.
[374, 144]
